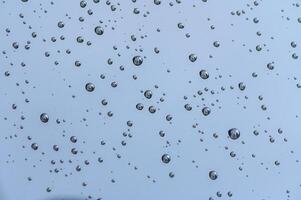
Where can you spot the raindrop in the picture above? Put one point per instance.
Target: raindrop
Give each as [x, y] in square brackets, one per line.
[148, 94]
[204, 74]
[206, 111]
[234, 133]
[192, 57]
[34, 146]
[137, 60]
[44, 117]
[90, 87]
[98, 30]
[213, 175]
[166, 158]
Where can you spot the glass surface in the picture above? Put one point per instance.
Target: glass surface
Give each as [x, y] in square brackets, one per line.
[156, 99]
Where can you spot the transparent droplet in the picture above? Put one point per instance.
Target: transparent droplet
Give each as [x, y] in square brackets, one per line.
[204, 74]
[98, 30]
[192, 57]
[44, 117]
[241, 86]
[90, 87]
[234, 133]
[152, 109]
[206, 111]
[34, 146]
[137, 60]
[139, 106]
[216, 44]
[171, 174]
[148, 94]
[213, 175]
[165, 158]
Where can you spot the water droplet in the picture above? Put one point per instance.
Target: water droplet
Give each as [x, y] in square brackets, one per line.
[213, 175]
[90, 87]
[44, 117]
[204, 74]
[234, 133]
[98, 30]
[166, 158]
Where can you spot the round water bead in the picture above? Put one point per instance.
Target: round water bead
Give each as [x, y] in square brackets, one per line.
[234, 133]
[213, 175]
[137, 60]
[44, 117]
[166, 158]
[204, 74]
[90, 87]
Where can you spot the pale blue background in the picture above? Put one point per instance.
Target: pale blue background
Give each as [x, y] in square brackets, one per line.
[48, 92]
